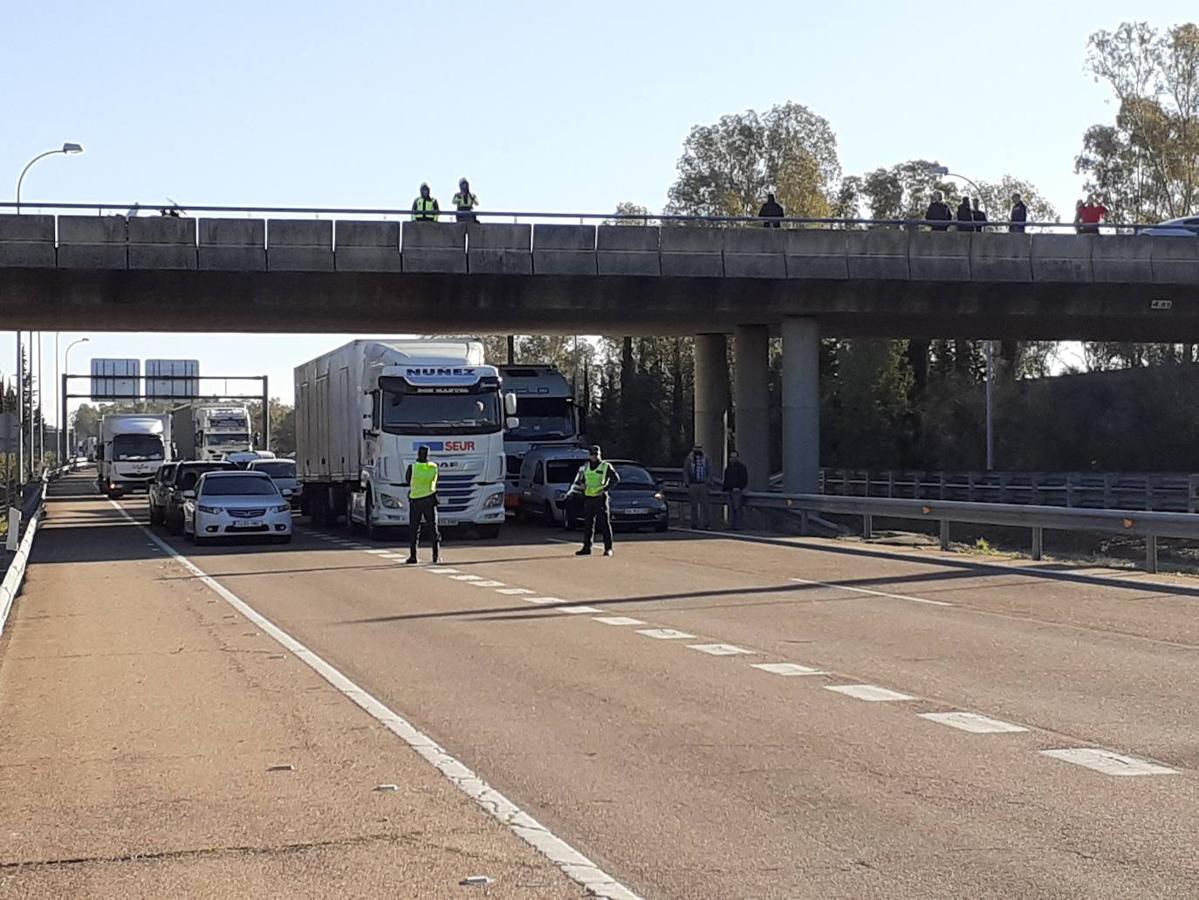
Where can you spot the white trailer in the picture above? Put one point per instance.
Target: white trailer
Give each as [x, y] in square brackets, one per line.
[131, 448]
[363, 410]
[545, 403]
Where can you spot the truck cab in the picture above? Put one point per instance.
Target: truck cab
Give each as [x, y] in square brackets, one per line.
[131, 449]
[548, 417]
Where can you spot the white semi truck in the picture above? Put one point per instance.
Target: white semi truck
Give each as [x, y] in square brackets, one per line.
[363, 410]
[545, 403]
[210, 431]
[131, 448]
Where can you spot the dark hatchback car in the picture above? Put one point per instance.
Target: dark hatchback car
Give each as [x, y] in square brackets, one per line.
[636, 502]
[184, 481]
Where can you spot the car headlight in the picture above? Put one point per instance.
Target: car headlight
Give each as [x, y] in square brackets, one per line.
[283, 508]
[390, 502]
[212, 510]
[493, 501]
[658, 496]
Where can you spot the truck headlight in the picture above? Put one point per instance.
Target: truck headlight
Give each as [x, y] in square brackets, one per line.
[390, 502]
[493, 501]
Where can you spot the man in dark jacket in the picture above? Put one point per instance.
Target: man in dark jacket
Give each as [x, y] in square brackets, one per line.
[1019, 215]
[771, 210]
[965, 214]
[736, 480]
[978, 215]
[938, 211]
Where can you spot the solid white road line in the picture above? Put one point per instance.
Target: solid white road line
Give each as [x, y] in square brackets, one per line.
[1107, 762]
[858, 590]
[870, 692]
[574, 864]
[720, 649]
[787, 669]
[617, 620]
[972, 722]
[575, 610]
[666, 634]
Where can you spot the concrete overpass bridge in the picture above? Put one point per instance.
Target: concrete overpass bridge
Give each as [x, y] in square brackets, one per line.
[85, 272]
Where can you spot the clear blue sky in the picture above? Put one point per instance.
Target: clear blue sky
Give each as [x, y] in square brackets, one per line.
[548, 106]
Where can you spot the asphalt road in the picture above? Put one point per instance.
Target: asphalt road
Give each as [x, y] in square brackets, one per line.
[684, 770]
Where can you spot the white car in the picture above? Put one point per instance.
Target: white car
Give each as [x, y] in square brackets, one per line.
[1188, 226]
[236, 504]
[283, 473]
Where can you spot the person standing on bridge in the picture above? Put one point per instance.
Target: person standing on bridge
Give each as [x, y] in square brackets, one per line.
[965, 214]
[465, 202]
[697, 476]
[1018, 216]
[938, 211]
[771, 210]
[980, 217]
[736, 480]
[596, 477]
[425, 207]
[421, 479]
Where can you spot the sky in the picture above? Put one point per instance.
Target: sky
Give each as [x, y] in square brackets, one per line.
[545, 106]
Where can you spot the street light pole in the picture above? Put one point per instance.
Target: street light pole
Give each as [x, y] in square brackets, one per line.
[66, 148]
[66, 371]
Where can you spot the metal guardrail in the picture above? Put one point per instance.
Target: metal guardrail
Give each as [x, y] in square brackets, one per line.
[449, 214]
[10, 586]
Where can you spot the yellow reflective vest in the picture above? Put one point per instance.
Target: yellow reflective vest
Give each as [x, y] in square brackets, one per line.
[595, 480]
[425, 210]
[424, 481]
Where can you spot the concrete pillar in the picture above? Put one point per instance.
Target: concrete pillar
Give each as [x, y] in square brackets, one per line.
[801, 406]
[711, 396]
[751, 401]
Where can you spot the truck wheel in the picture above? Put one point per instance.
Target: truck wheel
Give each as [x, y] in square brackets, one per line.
[489, 532]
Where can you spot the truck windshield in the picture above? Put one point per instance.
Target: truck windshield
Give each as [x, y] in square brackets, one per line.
[478, 413]
[133, 447]
[281, 469]
[226, 440]
[227, 421]
[543, 419]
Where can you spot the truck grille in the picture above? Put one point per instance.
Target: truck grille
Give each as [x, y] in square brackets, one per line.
[455, 492]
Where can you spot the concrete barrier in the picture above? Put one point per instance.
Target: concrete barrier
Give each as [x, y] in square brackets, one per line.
[434, 247]
[1122, 259]
[755, 252]
[880, 254]
[1174, 260]
[232, 245]
[92, 242]
[1063, 257]
[692, 252]
[10, 586]
[937, 256]
[367, 246]
[496, 249]
[813, 253]
[162, 242]
[299, 245]
[27, 241]
[1001, 257]
[627, 250]
[564, 250]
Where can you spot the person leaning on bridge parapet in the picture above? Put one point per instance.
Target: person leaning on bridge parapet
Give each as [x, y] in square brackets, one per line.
[736, 480]
[938, 211]
[1018, 215]
[771, 209]
[465, 202]
[425, 207]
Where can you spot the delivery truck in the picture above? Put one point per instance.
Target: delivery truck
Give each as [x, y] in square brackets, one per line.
[131, 448]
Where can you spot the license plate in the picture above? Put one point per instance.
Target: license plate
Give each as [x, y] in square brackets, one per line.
[442, 521]
[635, 511]
[250, 523]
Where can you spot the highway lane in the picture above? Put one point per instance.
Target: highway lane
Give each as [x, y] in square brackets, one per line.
[693, 775]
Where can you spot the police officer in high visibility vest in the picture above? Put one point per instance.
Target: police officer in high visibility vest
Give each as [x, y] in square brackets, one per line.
[593, 481]
[465, 202]
[421, 479]
[425, 207]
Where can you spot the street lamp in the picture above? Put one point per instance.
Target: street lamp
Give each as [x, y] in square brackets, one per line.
[65, 425]
[988, 348]
[66, 148]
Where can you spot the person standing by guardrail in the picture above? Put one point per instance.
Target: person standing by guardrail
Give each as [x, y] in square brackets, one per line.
[697, 476]
[771, 210]
[1089, 215]
[980, 217]
[425, 207]
[965, 214]
[938, 211]
[1018, 216]
[736, 480]
[465, 202]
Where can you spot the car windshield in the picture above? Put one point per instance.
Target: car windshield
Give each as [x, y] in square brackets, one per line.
[478, 413]
[634, 477]
[562, 471]
[238, 486]
[542, 419]
[187, 476]
[276, 469]
[132, 447]
[228, 440]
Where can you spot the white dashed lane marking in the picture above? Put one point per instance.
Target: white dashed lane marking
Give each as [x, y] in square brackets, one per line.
[513, 592]
[443, 570]
[575, 610]
[666, 634]
[720, 649]
[465, 578]
[541, 601]
[869, 692]
[787, 669]
[1107, 762]
[972, 722]
[617, 620]
[486, 584]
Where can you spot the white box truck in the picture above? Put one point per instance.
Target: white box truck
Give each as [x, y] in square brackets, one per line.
[363, 410]
[210, 431]
[545, 405]
[131, 448]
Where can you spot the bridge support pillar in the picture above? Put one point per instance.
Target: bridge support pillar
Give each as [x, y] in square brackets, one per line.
[751, 402]
[801, 406]
[711, 396]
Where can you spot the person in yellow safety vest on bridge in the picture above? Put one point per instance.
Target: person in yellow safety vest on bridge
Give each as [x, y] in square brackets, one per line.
[421, 479]
[425, 208]
[593, 481]
[465, 202]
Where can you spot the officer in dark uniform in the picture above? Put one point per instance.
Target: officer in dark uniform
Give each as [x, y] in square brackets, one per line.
[593, 481]
[421, 479]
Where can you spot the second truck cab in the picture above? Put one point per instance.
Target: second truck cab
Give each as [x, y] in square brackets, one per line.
[129, 452]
